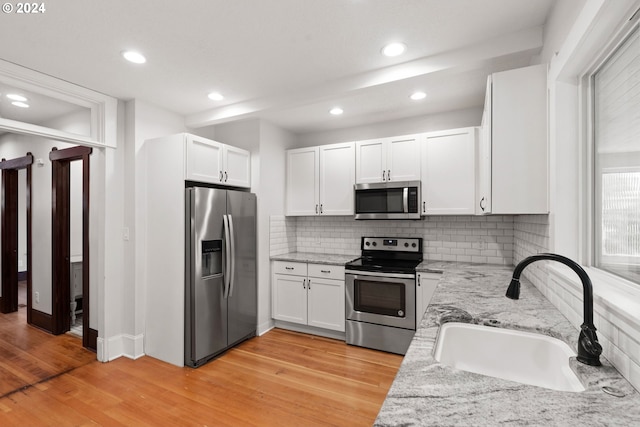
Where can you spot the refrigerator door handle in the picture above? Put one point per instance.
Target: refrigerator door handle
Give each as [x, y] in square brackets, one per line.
[228, 252]
[232, 234]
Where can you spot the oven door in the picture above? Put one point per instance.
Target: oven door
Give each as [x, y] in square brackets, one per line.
[381, 298]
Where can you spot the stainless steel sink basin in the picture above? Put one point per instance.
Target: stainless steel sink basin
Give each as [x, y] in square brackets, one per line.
[519, 356]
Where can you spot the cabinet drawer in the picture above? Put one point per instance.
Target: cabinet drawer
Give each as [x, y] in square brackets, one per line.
[326, 271]
[294, 268]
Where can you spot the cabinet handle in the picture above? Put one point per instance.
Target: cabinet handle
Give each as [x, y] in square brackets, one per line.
[316, 209]
[418, 280]
[388, 174]
[325, 271]
[221, 176]
[320, 207]
[482, 207]
[304, 283]
[288, 268]
[424, 207]
[309, 284]
[383, 172]
[225, 176]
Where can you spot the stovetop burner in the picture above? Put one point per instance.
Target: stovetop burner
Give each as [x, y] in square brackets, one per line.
[388, 255]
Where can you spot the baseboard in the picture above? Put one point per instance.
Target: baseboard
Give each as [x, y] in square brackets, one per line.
[42, 320]
[265, 327]
[311, 330]
[129, 346]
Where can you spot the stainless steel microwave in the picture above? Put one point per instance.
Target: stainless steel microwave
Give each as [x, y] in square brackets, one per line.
[388, 200]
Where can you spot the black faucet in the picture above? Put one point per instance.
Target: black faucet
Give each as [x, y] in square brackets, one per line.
[589, 349]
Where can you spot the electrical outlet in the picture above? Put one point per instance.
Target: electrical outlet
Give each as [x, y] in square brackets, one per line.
[37, 294]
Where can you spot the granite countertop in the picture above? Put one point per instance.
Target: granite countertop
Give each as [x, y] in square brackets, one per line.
[315, 258]
[426, 392]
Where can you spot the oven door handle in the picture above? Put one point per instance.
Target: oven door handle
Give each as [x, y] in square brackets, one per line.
[380, 274]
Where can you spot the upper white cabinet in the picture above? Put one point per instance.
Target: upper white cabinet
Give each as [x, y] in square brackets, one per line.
[236, 166]
[449, 172]
[216, 163]
[320, 180]
[388, 159]
[514, 145]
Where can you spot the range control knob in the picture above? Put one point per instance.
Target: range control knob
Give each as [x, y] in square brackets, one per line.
[374, 244]
[367, 243]
[406, 245]
[413, 245]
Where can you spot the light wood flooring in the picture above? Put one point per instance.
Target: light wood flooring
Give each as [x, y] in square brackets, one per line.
[280, 379]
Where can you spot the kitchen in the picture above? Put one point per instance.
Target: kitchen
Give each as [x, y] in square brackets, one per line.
[124, 325]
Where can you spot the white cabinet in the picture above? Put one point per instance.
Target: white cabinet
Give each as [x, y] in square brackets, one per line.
[216, 163]
[236, 166]
[515, 134]
[449, 172]
[309, 294]
[426, 284]
[320, 180]
[388, 159]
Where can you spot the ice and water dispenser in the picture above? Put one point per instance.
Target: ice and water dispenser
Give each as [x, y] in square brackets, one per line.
[211, 257]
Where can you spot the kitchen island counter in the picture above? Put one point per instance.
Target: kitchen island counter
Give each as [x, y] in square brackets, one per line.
[426, 392]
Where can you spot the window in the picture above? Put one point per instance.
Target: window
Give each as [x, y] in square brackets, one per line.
[616, 132]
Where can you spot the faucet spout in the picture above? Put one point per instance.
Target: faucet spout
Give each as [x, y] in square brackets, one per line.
[589, 349]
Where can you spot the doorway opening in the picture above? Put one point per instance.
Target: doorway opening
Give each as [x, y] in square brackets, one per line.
[11, 249]
[70, 275]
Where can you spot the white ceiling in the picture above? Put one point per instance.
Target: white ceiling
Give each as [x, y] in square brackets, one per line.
[287, 61]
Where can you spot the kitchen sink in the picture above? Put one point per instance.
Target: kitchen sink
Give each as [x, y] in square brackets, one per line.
[519, 356]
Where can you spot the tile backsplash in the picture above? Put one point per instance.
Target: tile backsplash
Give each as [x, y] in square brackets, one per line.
[482, 239]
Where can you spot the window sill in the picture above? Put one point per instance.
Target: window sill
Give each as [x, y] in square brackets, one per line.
[610, 293]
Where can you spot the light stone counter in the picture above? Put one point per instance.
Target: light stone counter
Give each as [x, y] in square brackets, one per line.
[314, 258]
[426, 392]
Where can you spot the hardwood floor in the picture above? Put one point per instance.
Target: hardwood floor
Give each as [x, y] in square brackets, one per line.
[280, 379]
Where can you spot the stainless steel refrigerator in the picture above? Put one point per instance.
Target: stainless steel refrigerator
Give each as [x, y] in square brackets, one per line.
[220, 277]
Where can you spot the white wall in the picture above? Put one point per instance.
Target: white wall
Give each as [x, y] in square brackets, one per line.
[142, 121]
[419, 124]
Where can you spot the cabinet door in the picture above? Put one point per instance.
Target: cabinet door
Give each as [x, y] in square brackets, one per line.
[519, 164]
[203, 158]
[337, 176]
[237, 166]
[403, 158]
[302, 182]
[371, 161]
[426, 284]
[448, 172]
[326, 303]
[289, 300]
[483, 193]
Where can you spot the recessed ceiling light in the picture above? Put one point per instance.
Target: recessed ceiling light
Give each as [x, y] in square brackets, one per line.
[336, 111]
[16, 97]
[135, 57]
[394, 49]
[416, 96]
[20, 104]
[215, 96]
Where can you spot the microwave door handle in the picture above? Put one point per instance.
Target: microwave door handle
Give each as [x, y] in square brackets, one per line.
[405, 199]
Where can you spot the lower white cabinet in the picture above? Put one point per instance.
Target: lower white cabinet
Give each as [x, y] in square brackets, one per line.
[309, 294]
[426, 284]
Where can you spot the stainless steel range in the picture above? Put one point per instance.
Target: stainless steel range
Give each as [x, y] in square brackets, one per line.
[381, 294]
